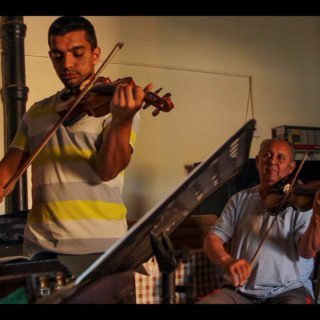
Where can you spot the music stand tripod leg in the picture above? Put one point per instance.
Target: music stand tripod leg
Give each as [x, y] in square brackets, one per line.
[167, 263]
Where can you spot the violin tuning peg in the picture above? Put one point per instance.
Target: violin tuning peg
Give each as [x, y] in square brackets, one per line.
[146, 105]
[155, 112]
[158, 90]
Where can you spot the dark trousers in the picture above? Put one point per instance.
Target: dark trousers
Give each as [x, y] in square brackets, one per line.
[230, 296]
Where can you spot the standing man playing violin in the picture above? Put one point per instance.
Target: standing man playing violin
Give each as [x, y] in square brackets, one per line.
[77, 178]
[280, 271]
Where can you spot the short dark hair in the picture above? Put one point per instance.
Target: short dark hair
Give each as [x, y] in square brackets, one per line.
[67, 24]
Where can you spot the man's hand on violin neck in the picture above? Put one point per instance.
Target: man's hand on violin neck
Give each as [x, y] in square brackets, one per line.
[126, 101]
[148, 88]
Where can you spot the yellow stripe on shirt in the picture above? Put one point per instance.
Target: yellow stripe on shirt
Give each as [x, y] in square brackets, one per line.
[78, 210]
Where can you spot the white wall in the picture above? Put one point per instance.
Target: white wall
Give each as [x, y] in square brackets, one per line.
[205, 63]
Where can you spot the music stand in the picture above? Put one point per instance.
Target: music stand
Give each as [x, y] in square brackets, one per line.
[135, 248]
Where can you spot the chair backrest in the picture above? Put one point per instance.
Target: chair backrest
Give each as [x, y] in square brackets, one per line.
[192, 232]
[198, 274]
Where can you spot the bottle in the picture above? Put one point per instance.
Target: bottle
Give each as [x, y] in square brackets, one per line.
[44, 286]
[60, 281]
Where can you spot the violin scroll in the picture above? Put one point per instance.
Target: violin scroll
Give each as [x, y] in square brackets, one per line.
[162, 104]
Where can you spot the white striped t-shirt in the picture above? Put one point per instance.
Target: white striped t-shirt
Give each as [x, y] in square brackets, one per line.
[73, 210]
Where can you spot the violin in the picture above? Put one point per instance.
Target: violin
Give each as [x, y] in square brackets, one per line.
[96, 101]
[299, 196]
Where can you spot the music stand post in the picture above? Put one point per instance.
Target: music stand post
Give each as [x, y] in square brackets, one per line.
[168, 260]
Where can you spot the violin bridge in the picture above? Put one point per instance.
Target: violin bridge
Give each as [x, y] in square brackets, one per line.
[287, 188]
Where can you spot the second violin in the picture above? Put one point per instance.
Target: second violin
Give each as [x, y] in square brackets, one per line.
[299, 196]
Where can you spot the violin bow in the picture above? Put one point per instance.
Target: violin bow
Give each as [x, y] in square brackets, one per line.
[88, 84]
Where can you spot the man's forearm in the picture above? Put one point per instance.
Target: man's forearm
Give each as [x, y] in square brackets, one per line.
[214, 248]
[309, 243]
[115, 152]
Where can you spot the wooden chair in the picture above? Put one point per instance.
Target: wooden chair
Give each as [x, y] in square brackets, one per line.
[192, 232]
[198, 275]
